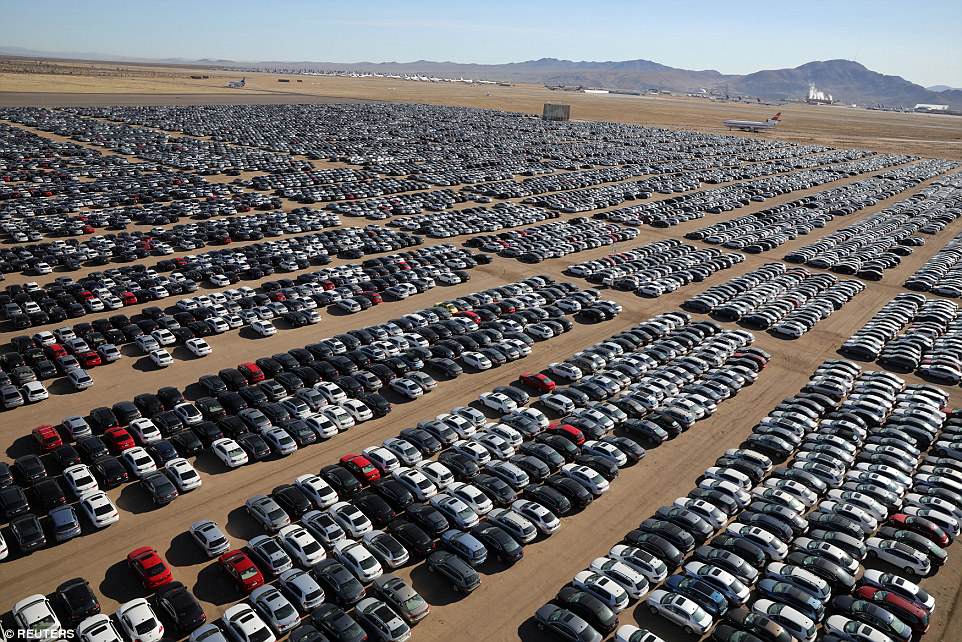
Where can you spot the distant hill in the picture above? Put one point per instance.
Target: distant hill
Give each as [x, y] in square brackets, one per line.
[846, 80]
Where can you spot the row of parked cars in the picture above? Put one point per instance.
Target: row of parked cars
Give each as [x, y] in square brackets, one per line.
[101, 249]
[553, 240]
[34, 305]
[759, 551]
[880, 241]
[786, 300]
[655, 268]
[774, 226]
[73, 351]
[912, 333]
[275, 405]
[473, 220]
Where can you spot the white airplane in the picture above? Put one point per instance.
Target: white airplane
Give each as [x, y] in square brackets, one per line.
[754, 125]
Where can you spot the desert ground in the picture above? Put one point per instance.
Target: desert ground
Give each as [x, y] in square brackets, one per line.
[502, 607]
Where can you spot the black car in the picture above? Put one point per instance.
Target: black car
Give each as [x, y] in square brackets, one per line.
[92, 447]
[161, 490]
[307, 633]
[335, 623]
[29, 469]
[212, 385]
[292, 500]
[376, 402]
[543, 452]
[338, 582]
[255, 446]
[498, 542]
[578, 495]
[496, 488]
[49, 494]
[187, 443]
[211, 408]
[412, 537]
[462, 577]
[77, 600]
[148, 404]
[657, 545]
[170, 397]
[430, 519]
[207, 431]
[422, 440]
[65, 456]
[162, 451]
[180, 606]
[588, 608]
[375, 507]
[341, 480]
[27, 533]
[563, 446]
[13, 501]
[461, 466]
[110, 472]
[536, 469]
[548, 497]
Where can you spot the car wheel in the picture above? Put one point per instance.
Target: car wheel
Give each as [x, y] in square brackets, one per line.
[689, 630]
[910, 570]
[653, 610]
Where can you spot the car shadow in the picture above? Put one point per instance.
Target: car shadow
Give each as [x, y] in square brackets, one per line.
[247, 333]
[23, 445]
[131, 350]
[658, 625]
[241, 525]
[144, 364]
[184, 551]
[120, 584]
[214, 586]
[434, 589]
[209, 464]
[529, 632]
[182, 353]
[61, 386]
[134, 499]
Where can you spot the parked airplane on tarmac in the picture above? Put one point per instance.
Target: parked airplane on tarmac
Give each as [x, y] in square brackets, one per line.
[754, 125]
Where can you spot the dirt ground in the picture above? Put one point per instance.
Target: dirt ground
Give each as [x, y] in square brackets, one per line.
[512, 594]
[74, 83]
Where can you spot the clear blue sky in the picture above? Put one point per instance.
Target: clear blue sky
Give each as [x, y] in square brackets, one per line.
[919, 40]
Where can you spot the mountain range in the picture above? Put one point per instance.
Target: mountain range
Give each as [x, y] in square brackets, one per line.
[847, 81]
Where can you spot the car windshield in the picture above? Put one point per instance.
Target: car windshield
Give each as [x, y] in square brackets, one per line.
[367, 563]
[146, 626]
[260, 635]
[248, 573]
[103, 510]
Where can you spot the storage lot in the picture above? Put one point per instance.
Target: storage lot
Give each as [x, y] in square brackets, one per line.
[514, 592]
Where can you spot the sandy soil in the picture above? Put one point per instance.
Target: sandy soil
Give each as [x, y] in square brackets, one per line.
[515, 593]
[89, 84]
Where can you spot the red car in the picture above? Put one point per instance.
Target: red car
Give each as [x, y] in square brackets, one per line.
[149, 567]
[118, 439]
[55, 351]
[129, 298]
[541, 383]
[361, 467]
[48, 438]
[251, 372]
[912, 613]
[924, 527]
[470, 314]
[567, 431]
[88, 359]
[242, 570]
[373, 297]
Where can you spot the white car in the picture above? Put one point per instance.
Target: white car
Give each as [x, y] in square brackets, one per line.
[773, 547]
[144, 431]
[382, 458]
[270, 555]
[706, 510]
[98, 628]
[473, 415]
[139, 622]
[229, 452]
[189, 413]
[183, 475]
[498, 447]
[301, 545]
[244, 625]
[34, 616]
[358, 410]
[217, 325]
[138, 461]
[848, 629]
[606, 451]
[790, 618]
[439, 474]
[516, 524]
[318, 491]
[98, 509]
[76, 427]
[500, 403]
[557, 403]
[33, 392]
[455, 510]
[198, 347]
[680, 610]
[209, 537]
[79, 379]
[386, 549]
[301, 589]
[587, 477]
[147, 343]
[358, 560]
[565, 371]
[472, 450]
[405, 387]
[275, 609]
[654, 570]
[331, 391]
[543, 519]
[404, 451]
[79, 480]
[476, 360]
[160, 358]
[611, 594]
[415, 481]
[472, 496]
[631, 580]
[164, 337]
[263, 327]
[899, 555]
[340, 417]
[322, 426]
[351, 519]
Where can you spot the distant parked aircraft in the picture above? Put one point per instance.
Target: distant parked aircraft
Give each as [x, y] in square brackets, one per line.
[237, 84]
[754, 125]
